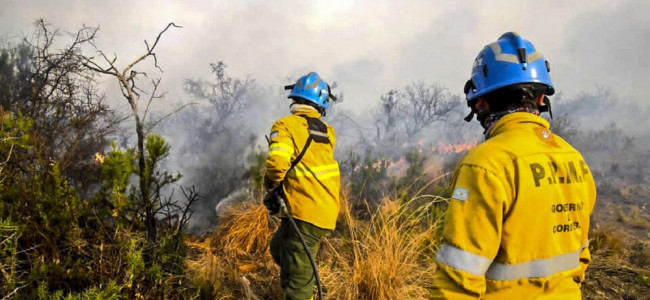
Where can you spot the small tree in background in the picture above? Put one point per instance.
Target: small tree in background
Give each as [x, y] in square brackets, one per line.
[405, 114]
[421, 105]
[389, 115]
[127, 79]
[226, 94]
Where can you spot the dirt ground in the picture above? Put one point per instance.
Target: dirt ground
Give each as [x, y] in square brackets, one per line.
[620, 243]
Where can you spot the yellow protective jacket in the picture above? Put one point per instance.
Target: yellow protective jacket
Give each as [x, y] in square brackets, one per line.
[517, 222]
[312, 187]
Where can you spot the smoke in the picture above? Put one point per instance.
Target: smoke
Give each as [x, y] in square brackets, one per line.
[216, 141]
[610, 132]
[604, 48]
[369, 48]
[214, 151]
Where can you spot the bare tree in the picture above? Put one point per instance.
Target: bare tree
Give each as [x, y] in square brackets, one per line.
[128, 79]
[421, 105]
[51, 87]
[226, 94]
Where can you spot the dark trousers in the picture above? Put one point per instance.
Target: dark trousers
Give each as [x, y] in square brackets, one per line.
[296, 274]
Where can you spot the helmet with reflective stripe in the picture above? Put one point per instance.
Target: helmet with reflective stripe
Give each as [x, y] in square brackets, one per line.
[313, 89]
[509, 60]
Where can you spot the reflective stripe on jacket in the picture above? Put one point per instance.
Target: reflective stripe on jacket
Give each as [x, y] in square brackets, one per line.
[518, 219]
[312, 187]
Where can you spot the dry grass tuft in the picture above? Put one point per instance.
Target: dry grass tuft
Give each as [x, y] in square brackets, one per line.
[389, 257]
[616, 272]
[606, 241]
[234, 262]
[243, 230]
[633, 219]
[640, 253]
[625, 191]
[637, 221]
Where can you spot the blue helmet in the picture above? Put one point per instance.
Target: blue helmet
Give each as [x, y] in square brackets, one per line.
[313, 89]
[509, 60]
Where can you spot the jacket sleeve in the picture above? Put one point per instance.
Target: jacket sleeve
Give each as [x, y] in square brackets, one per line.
[471, 234]
[278, 161]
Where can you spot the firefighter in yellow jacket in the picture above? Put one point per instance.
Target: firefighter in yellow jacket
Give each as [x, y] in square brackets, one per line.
[300, 167]
[518, 218]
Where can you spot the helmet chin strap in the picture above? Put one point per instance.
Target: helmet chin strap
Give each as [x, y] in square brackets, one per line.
[470, 104]
[546, 107]
[470, 116]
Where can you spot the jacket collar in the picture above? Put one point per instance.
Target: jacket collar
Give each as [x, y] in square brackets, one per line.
[303, 109]
[517, 120]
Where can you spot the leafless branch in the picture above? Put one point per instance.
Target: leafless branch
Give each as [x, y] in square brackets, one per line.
[155, 83]
[150, 50]
[192, 197]
[155, 123]
[10, 295]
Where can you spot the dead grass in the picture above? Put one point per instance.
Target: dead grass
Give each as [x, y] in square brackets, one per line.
[606, 241]
[243, 231]
[640, 253]
[613, 278]
[234, 262]
[625, 191]
[633, 219]
[389, 256]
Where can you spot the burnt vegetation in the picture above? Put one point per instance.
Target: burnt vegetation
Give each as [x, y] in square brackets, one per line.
[85, 217]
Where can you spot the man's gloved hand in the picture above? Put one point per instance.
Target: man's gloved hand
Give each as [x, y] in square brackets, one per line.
[271, 202]
[270, 185]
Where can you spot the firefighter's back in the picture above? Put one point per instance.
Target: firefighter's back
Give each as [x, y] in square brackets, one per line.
[312, 187]
[551, 194]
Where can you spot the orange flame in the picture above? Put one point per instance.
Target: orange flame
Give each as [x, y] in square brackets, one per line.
[99, 158]
[443, 148]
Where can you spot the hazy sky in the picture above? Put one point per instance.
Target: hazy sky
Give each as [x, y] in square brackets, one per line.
[368, 47]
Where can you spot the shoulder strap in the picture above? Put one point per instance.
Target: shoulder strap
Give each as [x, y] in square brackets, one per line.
[302, 153]
[317, 132]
